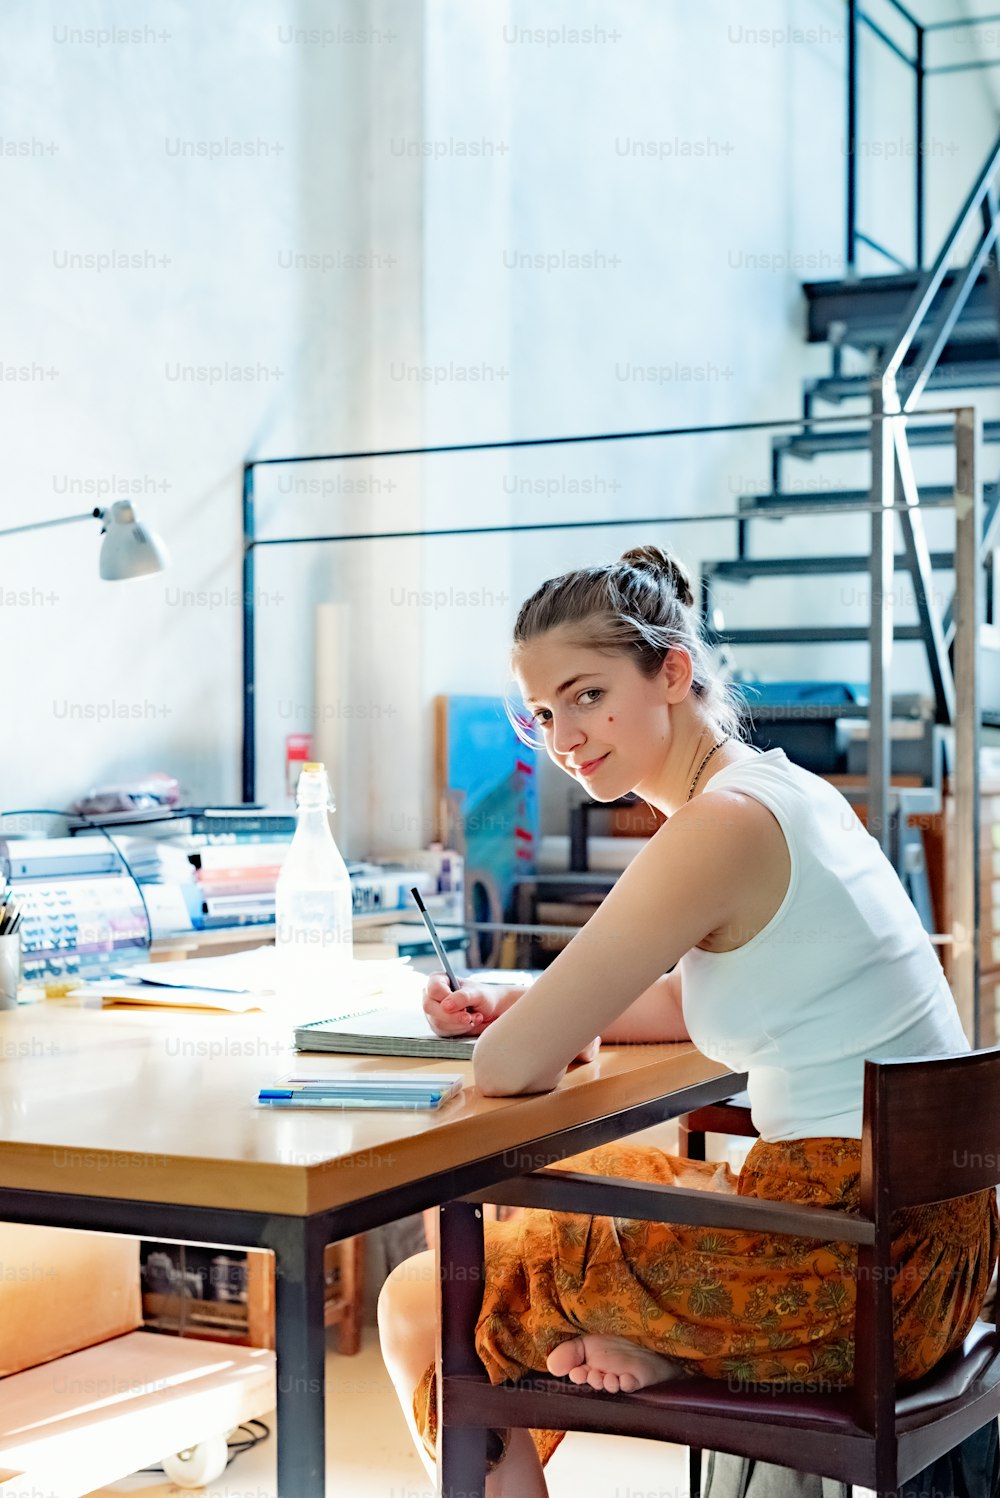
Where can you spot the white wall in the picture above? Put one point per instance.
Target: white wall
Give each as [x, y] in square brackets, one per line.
[694, 154]
[129, 148]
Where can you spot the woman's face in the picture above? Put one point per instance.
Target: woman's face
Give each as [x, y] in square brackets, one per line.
[602, 721]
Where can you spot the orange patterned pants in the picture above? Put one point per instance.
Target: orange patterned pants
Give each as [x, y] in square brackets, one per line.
[748, 1306]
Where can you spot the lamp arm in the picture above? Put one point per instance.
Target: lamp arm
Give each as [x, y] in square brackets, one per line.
[41, 525]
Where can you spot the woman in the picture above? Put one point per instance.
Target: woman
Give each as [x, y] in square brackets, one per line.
[762, 921]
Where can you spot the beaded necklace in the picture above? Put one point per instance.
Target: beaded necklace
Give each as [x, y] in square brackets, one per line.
[708, 756]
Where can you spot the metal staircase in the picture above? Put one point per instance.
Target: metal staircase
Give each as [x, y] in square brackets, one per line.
[936, 330]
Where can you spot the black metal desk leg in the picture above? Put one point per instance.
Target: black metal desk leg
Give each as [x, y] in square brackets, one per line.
[300, 1346]
[460, 1261]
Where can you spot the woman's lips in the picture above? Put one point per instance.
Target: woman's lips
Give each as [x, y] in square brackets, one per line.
[592, 764]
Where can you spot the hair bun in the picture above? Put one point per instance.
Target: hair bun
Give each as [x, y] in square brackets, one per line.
[663, 566]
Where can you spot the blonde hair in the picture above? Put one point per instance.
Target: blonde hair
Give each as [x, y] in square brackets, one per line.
[642, 605]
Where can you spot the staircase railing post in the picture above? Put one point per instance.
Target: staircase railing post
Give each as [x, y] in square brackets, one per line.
[918, 206]
[882, 561]
[249, 638]
[969, 597]
[852, 130]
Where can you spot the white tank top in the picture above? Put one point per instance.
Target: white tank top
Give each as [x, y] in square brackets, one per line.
[843, 971]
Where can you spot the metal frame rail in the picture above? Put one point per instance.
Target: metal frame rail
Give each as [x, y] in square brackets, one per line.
[858, 18]
[892, 493]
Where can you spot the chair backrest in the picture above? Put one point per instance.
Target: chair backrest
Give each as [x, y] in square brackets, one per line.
[932, 1129]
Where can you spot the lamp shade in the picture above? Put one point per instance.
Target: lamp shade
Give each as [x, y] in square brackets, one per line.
[129, 548]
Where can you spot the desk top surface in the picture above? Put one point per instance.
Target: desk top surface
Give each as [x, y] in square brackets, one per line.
[160, 1106]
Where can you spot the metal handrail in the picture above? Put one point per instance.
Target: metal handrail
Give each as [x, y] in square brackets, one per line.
[892, 468]
[923, 297]
[893, 480]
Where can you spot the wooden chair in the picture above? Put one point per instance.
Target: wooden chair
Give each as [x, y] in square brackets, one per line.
[931, 1133]
[731, 1116]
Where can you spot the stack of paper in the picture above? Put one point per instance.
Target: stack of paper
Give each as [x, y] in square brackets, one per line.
[248, 980]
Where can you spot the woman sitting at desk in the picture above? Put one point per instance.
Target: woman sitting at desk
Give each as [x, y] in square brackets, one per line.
[791, 952]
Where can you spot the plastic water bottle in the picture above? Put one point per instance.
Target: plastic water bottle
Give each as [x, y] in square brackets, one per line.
[313, 907]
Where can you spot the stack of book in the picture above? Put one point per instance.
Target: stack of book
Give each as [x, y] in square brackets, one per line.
[236, 854]
[236, 882]
[225, 861]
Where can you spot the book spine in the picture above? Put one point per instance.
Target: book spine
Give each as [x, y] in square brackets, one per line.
[235, 839]
[243, 826]
[386, 891]
[236, 855]
[221, 904]
[232, 888]
[234, 918]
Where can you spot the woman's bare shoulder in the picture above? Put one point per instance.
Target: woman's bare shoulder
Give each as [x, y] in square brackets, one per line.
[728, 835]
[732, 817]
[744, 839]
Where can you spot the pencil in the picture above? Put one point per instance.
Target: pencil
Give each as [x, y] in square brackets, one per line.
[432, 933]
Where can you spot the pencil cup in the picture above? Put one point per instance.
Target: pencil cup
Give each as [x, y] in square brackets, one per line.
[10, 969]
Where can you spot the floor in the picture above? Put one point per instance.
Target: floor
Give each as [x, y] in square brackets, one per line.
[370, 1454]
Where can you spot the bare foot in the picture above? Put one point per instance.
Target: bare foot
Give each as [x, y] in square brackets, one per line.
[611, 1364]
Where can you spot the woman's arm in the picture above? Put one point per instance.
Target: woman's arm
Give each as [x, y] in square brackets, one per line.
[691, 879]
[655, 1015]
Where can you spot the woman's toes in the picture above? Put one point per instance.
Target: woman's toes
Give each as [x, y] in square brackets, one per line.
[565, 1358]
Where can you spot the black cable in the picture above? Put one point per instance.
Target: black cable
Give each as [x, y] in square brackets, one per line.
[49, 811]
[253, 1440]
[236, 1447]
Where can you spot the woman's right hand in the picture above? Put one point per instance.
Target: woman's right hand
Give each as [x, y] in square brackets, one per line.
[464, 1011]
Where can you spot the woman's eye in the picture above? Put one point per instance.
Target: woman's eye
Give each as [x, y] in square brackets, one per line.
[593, 692]
[539, 717]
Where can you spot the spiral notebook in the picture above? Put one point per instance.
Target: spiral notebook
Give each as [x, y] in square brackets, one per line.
[382, 1032]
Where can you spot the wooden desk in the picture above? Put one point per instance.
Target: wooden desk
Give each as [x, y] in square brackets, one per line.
[144, 1122]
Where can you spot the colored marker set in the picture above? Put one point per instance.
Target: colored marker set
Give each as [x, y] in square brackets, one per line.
[364, 1090]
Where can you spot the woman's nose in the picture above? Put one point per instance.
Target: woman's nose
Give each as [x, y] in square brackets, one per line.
[566, 735]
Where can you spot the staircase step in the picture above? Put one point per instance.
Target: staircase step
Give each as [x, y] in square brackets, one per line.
[831, 498]
[871, 309]
[960, 375]
[742, 570]
[811, 444]
[808, 634]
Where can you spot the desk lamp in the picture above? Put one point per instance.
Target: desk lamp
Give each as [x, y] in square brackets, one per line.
[129, 548]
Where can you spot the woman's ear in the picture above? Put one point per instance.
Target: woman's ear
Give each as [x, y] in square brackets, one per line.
[678, 674]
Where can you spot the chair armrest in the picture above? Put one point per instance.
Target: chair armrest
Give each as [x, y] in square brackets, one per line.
[613, 1196]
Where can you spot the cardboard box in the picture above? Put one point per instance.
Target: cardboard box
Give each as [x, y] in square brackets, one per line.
[63, 1290]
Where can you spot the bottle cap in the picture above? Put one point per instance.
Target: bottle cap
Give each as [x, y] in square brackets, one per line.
[313, 787]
